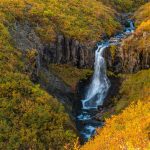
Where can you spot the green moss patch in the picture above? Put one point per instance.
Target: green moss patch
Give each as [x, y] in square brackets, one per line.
[69, 74]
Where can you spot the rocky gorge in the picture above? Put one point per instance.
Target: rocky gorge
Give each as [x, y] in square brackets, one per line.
[74, 69]
[65, 50]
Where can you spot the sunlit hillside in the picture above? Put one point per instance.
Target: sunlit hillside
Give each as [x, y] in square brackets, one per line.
[30, 118]
[83, 20]
[128, 130]
[124, 5]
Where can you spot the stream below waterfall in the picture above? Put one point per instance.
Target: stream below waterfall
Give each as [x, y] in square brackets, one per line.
[98, 88]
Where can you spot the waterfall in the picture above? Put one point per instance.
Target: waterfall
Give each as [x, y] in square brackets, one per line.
[98, 88]
[100, 84]
[131, 25]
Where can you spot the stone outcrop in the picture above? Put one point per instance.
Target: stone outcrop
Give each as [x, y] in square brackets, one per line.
[68, 51]
[129, 56]
[25, 39]
[63, 51]
[125, 57]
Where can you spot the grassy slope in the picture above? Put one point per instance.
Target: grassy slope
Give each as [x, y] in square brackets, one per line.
[70, 75]
[134, 87]
[128, 130]
[142, 14]
[83, 20]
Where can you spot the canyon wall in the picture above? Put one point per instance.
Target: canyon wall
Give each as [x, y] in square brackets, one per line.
[124, 58]
[130, 56]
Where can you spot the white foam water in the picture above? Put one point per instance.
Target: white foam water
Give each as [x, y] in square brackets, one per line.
[100, 84]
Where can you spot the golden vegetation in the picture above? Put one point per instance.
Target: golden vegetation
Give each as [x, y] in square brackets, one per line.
[29, 117]
[138, 45]
[32, 119]
[143, 27]
[142, 14]
[134, 87]
[128, 130]
[124, 5]
[83, 20]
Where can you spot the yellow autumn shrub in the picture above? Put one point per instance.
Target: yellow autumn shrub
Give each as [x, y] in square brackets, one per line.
[144, 27]
[30, 118]
[128, 130]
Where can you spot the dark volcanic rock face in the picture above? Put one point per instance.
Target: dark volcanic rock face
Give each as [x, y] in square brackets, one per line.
[63, 51]
[123, 58]
[69, 51]
[128, 57]
[133, 56]
[26, 39]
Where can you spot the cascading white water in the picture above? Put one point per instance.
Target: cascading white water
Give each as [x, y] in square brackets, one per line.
[131, 25]
[100, 84]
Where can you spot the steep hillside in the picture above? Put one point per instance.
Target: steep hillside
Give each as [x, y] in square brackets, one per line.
[136, 49]
[81, 20]
[142, 14]
[45, 46]
[30, 118]
[133, 87]
[52, 26]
